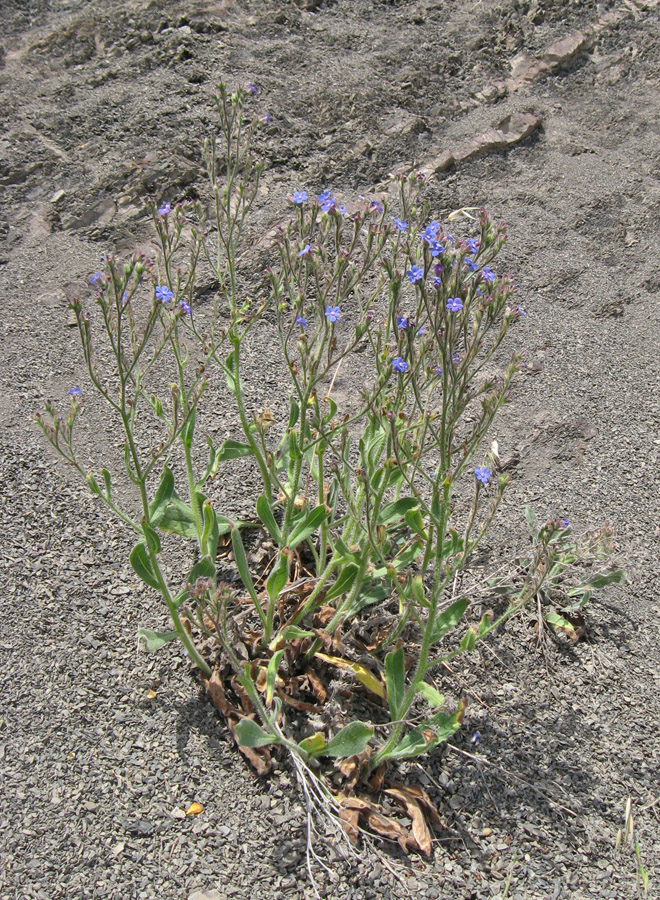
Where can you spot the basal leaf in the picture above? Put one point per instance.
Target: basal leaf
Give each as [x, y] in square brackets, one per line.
[350, 741]
[395, 680]
[249, 734]
[154, 640]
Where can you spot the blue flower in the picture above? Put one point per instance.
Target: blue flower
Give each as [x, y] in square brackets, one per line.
[332, 313]
[415, 274]
[438, 371]
[163, 293]
[306, 250]
[164, 209]
[421, 330]
[75, 391]
[564, 522]
[266, 118]
[299, 197]
[520, 311]
[436, 248]
[375, 206]
[473, 245]
[437, 281]
[400, 224]
[482, 474]
[472, 265]
[124, 297]
[400, 365]
[401, 322]
[94, 278]
[302, 321]
[430, 233]
[449, 238]
[326, 201]
[455, 358]
[342, 209]
[487, 275]
[454, 304]
[185, 307]
[252, 89]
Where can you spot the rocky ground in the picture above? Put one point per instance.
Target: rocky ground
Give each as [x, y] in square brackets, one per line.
[547, 113]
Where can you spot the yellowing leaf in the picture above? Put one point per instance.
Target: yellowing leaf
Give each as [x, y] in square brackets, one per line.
[194, 809]
[363, 675]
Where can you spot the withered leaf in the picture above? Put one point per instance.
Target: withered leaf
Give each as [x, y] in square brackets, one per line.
[298, 704]
[350, 769]
[419, 794]
[317, 686]
[376, 780]
[351, 819]
[389, 828]
[216, 691]
[420, 830]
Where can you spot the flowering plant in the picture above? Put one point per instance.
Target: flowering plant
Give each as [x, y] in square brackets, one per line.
[372, 512]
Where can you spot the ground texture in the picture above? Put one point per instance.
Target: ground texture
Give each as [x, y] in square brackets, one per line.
[547, 113]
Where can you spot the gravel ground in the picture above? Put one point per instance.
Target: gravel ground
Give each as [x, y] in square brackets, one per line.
[103, 748]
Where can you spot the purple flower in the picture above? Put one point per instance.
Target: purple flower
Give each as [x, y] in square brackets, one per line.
[75, 391]
[124, 297]
[421, 330]
[449, 238]
[299, 197]
[487, 275]
[455, 358]
[94, 278]
[306, 250]
[401, 322]
[332, 313]
[326, 201]
[436, 248]
[564, 522]
[185, 307]
[375, 206]
[454, 304]
[438, 371]
[438, 268]
[415, 274]
[266, 118]
[482, 474]
[520, 311]
[473, 245]
[163, 293]
[302, 321]
[164, 209]
[437, 281]
[252, 89]
[400, 224]
[472, 265]
[342, 209]
[400, 365]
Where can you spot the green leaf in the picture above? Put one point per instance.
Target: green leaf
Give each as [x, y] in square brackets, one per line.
[92, 484]
[418, 592]
[277, 578]
[396, 510]
[271, 674]
[107, 480]
[232, 385]
[249, 734]
[178, 518]
[349, 741]
[127, 463]
[468, 640]
[446, 724]
[413, 744]
[448, 619]
[265, 513]
[344, 582]
[151, 537]
[154, 640]
[559, 623]
[598, 582]
[290, 633]
[188, 430]
[162, 496]
[142, 565]
[415, 522]
[313, 745]
[395, 681]
[532, 521]
[453, 545]
[244, 570]
[232, 450]
[210, 529]
[203, 569]
[429, 693]
[306, 528]
[367, 596]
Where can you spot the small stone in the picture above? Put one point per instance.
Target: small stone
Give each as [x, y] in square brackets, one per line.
[57, 196]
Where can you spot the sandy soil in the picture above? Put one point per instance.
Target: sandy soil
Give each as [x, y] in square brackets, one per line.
[545, 112]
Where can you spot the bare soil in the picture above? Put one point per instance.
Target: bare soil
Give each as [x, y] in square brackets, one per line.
[545, 112]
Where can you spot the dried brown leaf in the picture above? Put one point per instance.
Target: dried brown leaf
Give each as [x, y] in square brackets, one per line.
[216, 691]
[317, 686]
[389, 828]
[376, 780]
[350, 769]
[420, 830]
[420, 795]
[351, 820]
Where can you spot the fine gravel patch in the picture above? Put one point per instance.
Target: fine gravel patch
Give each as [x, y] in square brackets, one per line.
[102, 747]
